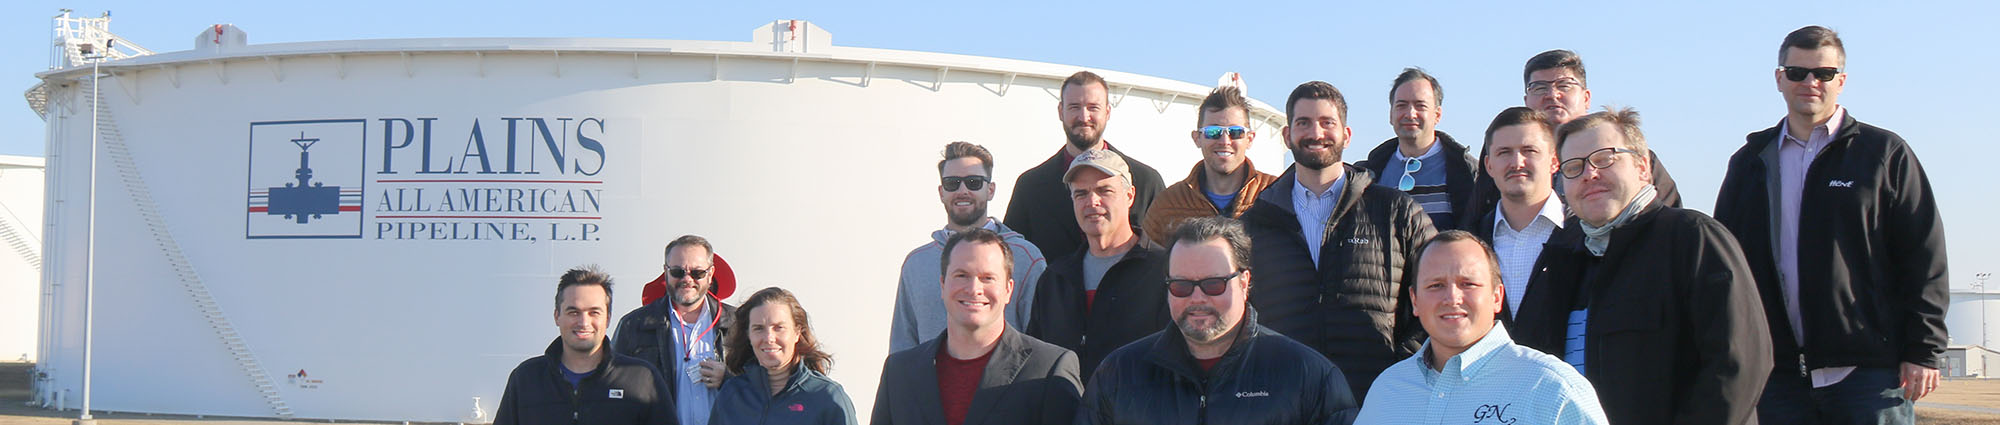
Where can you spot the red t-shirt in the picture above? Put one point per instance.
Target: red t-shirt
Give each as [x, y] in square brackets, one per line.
[1207, 364]
[957, 381]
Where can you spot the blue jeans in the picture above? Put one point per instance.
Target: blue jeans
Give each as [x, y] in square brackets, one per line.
[1867, 396]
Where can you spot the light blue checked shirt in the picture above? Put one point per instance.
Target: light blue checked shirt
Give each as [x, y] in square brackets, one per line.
[1495, 381]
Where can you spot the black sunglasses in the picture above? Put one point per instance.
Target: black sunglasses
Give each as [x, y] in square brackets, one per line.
[1795, 73]
[1183, 288]
[971, 182]
[678, 272]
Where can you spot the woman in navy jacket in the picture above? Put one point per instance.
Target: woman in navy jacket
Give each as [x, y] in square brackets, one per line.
[788, 383]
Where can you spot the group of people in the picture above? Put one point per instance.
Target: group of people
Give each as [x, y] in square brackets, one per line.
[1550, 277]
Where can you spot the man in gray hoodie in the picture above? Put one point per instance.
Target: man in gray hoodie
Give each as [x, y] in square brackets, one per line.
[966, 186]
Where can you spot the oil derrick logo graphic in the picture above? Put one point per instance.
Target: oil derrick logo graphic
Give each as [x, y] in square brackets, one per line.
[306, 179]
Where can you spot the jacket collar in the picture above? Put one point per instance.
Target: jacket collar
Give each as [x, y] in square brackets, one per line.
[940, 235]
[1451, 150]
[1170, 351]
[1277, 198]
[760, 378]
[1621, 237]
[555, 352]
[1758, 141]
[1196, 177]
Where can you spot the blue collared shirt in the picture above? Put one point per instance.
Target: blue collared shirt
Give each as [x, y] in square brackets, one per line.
[1494, 381]
[1315, 210]
[694, 399]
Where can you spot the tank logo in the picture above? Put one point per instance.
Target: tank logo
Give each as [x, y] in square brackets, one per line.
[305, 179]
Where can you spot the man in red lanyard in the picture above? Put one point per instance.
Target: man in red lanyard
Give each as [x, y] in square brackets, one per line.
[682, 334]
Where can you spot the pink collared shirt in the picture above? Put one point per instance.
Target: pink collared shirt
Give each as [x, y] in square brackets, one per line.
[1794, 158]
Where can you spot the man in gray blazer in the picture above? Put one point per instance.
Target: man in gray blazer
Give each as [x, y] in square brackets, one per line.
[979, 371]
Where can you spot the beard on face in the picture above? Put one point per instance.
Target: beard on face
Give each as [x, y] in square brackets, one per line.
[1200, 334]
[1079, 139]
[1316, 162]
[700, 288]
[969, 218]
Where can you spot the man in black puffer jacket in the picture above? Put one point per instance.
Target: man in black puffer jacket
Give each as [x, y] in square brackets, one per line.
[1215, 364]
[1333, 279]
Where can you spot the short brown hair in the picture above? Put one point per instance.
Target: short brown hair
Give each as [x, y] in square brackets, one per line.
[1552, 59]
[1625, 120]
[1455, 235]
[976, 236]
[584, 276]
[1518, 115]
[691, 240]
[1413, 73]
[1316, 90]
[957, 150]
[1221, 99]
[1812, 37]
[737, 351]
[1081, 78]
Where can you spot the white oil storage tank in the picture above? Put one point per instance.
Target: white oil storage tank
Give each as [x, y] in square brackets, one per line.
[372, 229]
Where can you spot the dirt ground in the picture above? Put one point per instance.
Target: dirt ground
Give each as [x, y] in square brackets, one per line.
[1954, 403]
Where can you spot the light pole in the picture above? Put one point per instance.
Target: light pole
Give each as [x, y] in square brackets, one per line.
[1979, 287]
[90, 236]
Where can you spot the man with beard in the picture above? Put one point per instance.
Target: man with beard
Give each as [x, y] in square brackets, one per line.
[1554, 84]
[1214, 363]
[1421, 161]
[1224, 183]
[1039, 208]
[578, 380]
[1331, 248]
[1654, 304]
[682, 334]
[966, 185]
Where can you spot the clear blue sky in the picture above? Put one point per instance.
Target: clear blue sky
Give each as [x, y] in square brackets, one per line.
[1699, 73]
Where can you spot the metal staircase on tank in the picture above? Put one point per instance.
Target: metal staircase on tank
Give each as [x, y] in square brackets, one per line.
[71, 33]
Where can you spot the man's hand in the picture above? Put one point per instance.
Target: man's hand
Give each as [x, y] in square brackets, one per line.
[1918, 381]
[713, 373]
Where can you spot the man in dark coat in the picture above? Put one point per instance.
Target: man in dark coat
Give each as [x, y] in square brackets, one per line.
[681, 334]
[1105, 293]
[1430, 166]
[1332, 250]
[1039, 206]
[980, 370]
[1653, 304]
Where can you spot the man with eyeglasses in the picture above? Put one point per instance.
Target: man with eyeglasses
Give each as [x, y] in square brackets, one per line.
[1039, 206]
[1214, 363]
[1421, 161]
[1654, 304]
[1470, 367]
[965, 186]
[1843, 235]
[1102, 294]
[1554, 83]
[1223, 183]
[1332, 248]
[682, 334]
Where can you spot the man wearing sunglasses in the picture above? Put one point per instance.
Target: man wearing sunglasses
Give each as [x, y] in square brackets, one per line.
[1332, 247]
[1039, 207]
[1223, 183]
[1105, 293]
[1214, 363]
[682, 334]
[1554, 84]
[965, 186]
[1654, 304]
[1842, 232]
[1421, 161]
[1473, 367]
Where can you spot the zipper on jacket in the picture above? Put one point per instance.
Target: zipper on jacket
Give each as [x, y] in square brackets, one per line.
[575, 408]
[1802, 366]
[1201, 415]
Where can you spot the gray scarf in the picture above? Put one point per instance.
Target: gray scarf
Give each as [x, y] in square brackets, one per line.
[1599, 238]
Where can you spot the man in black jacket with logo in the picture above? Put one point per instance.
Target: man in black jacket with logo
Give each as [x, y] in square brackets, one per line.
[1215, 364]
[1653, 304]
[578, 379]
[1843, 235]
[1332, 249]
[1104, 294]
[1039, 206]
[1425, 163]
[682, 333]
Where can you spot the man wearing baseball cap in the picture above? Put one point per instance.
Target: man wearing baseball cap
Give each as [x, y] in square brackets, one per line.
[1105, 293]
[682, 334]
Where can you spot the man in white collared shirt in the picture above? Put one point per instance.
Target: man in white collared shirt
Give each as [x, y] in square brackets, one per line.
[1520, 157]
